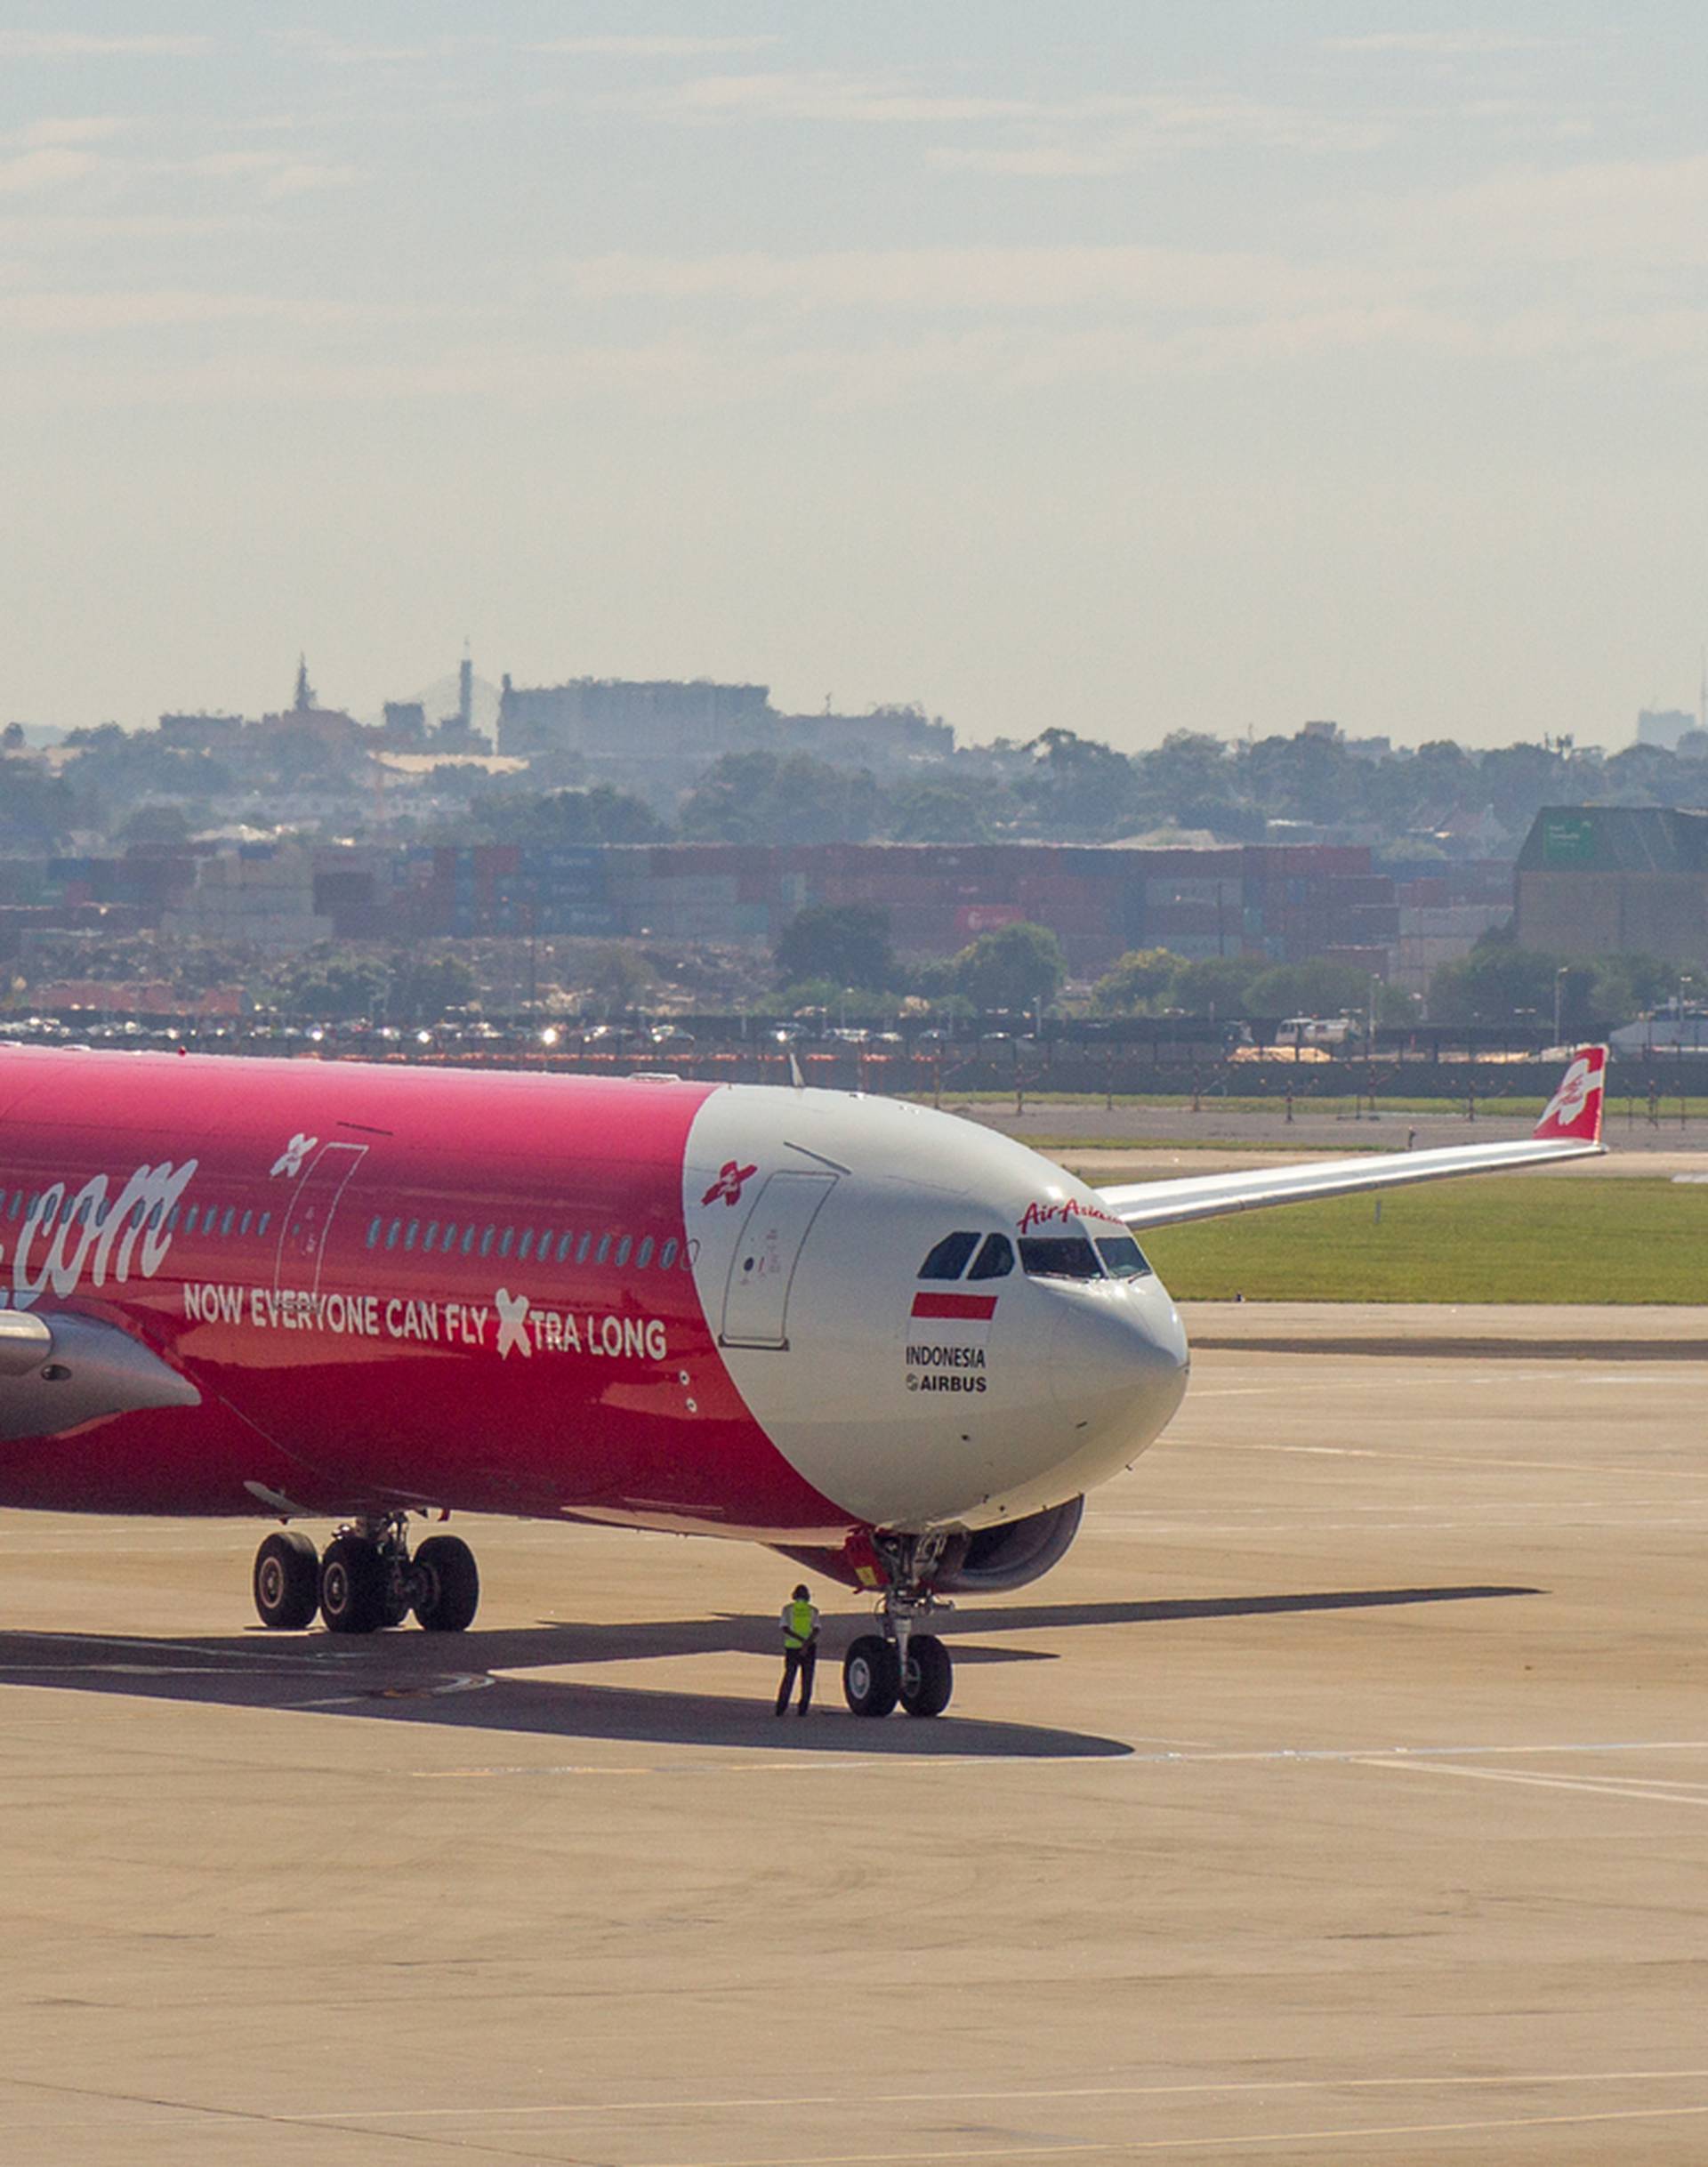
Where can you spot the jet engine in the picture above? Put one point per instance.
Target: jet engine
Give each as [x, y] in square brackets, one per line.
[996, 1559]
[988, 1562]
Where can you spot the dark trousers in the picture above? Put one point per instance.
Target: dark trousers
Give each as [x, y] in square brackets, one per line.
[805, 1661]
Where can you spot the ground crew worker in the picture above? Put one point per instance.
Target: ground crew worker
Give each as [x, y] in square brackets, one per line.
[800, 1649]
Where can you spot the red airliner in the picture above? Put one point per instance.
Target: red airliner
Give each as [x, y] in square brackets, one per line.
[883, 1340]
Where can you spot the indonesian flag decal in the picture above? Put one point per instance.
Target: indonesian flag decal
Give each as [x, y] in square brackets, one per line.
[1573, 1114]
[973, 1309]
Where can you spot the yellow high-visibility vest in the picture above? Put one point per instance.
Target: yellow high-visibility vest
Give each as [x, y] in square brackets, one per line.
[797, 1629]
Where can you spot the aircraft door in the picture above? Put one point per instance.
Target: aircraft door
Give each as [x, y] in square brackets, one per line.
[762, 1272]
[314, 1198]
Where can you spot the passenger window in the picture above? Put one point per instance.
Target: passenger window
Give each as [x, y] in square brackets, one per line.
[623, 1250]
[545, 1244]
[1123, 1259]
[266, 1220]
[409, 1238]
[949, 1259]
[225, 1224]
[604, 1250]
[428, 1238]
[994, 1260]
[525, 1249]
[667, 1256]
[582, 1246]
[506, 1243]
[393, 1232]
[17, 1204]
[243, 1224]
[564, 1241]
[1060, 1256]
[191, 1215]
[449, 1242]
[373, 1233]
[486, 1240]
[643, 1254]
[467, 1243]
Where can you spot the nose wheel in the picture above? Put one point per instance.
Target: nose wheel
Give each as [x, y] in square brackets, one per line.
[902, 1665]
[365, 1580]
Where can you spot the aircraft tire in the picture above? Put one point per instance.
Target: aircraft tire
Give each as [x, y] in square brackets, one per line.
[353, 1586]
[927, 1677]
[871, 1676]
[287, 1581]
[449, 1583]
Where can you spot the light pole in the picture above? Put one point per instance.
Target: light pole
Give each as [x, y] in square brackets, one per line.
[1559, 989]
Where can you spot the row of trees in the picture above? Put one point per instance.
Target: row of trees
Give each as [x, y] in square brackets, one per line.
[1055, 786]
[831, 949]
[1059, 786]
[839, 954]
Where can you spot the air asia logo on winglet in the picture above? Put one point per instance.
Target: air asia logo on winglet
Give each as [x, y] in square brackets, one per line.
[732, 1179]
[1570, 1109]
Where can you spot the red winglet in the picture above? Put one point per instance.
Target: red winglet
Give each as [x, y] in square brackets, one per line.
[1573, 1114]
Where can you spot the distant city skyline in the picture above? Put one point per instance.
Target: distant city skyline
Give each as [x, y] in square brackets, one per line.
[1139, 368]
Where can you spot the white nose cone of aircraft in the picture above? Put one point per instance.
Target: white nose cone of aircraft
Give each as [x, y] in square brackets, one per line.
[933, 1324]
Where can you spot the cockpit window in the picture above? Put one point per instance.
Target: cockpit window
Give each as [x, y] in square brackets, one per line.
[1123, 1259]
[949, 1259]
[1060, 1256]
[994, 1260]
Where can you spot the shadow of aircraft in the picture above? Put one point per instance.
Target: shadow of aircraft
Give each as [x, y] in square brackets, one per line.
[476, 1682]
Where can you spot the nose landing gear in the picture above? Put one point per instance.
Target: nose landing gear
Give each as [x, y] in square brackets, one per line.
[366, 1579]
[902, 1664]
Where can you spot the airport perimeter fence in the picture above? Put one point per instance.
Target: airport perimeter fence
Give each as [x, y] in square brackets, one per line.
[1667, 1092]
[1476, 1071]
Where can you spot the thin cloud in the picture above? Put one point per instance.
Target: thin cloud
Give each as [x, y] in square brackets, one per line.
[820, 95]
[655, 48]
[1162, 126]
[56, 313]
[34, 170]
[342, 53]
[1628, 217]
[1021, 279]
[62, 230]
[306, 179]
[1441, 45]
[79, 44]
[87, 128]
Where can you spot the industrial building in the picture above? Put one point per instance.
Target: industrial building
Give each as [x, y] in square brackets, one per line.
[1284, 902]
[615, 726]
[1613, 880]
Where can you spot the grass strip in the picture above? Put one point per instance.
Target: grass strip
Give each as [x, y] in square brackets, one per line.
[1497, 1239]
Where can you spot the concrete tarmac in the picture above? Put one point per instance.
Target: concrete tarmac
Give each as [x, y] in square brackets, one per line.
[1343, 1796]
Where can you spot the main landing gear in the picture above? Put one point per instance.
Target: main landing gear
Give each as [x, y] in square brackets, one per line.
[366, 1579]
[901, 1663]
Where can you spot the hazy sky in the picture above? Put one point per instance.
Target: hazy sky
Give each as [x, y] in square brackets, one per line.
[1127, 365]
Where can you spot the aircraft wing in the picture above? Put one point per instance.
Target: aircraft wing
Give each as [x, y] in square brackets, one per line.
[1570, 1128]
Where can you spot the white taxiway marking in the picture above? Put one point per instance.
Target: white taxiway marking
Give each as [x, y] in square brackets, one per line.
[1356, 1756]
[1127, 2149]
[1660, 1793]
[1031, 2095]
